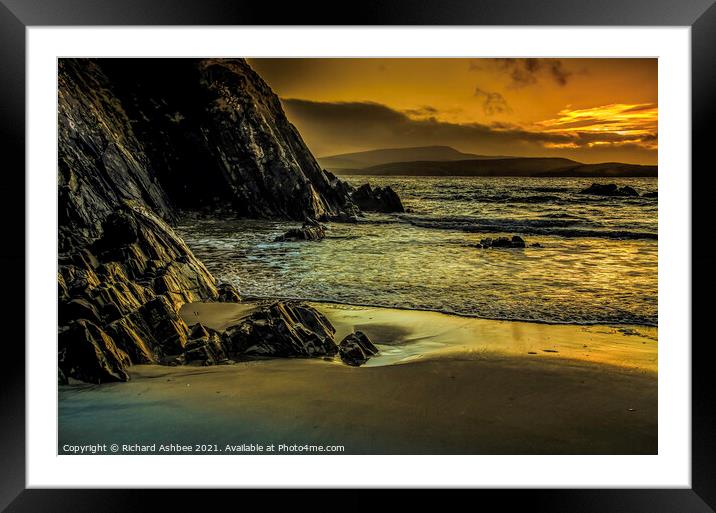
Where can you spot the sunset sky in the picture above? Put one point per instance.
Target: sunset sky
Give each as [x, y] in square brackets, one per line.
[591, 110]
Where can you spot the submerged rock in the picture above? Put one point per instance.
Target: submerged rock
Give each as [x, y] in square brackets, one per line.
[380, 199]
[285, 328]
[311, 230]
[654, 194]
[502, 242]
[610, 189]
[355, 349]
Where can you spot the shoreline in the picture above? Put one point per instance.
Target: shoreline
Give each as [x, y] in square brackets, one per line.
[252, 299]
[408, 333]
[439, 386]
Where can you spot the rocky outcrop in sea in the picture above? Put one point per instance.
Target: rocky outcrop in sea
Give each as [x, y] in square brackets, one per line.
[140, 140]
[610, 189]
[311, 230]
[378, 199]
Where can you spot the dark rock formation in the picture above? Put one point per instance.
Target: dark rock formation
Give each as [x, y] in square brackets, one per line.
[356, 348]
[285, 328]
[502, 242]
[128, 284]
[654, 194]
[204, 346]
[218, 137]
[227, 293]
[311, 230]
[610, 189]
[87, 353]
[138, 139]
[101, 163]
[380, 199]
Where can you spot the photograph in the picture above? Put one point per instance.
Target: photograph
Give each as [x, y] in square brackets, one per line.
[376, 256]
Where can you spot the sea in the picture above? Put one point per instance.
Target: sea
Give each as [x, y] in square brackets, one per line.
[596, 262]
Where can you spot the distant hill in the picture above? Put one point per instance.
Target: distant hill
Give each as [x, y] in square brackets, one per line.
[517, 166]
[383, 156]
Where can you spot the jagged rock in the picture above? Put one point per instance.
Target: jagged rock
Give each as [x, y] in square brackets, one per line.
[167, 329]
[132, 339]
[75, 309]
[219, 116]
[285, 328]
[130, 283]
[227, 293]
[131, 138]
[502, 242]
[311, 230]
[356, 348]
[380, 199]
[204, 346]
[87, 353]
[610, 189]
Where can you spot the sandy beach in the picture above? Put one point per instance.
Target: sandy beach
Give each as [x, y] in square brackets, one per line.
[442, 384]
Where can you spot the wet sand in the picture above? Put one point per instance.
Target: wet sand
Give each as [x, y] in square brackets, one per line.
[443, 384]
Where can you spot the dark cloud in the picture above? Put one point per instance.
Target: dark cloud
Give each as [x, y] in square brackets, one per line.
[331, 128]
[492, 103]
[556, 69]
[425, 110]
[524, 72]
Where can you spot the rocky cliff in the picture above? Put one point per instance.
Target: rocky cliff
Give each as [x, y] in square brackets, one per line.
[138, 140]
[218, 138]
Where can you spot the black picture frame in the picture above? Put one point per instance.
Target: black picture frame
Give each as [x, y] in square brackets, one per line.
[17, 15]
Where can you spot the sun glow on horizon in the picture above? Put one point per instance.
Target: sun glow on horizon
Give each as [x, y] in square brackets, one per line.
[590, 110]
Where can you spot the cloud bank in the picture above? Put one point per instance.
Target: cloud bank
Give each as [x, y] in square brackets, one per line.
[337, 127]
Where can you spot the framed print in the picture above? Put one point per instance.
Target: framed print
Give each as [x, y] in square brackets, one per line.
[445, 247]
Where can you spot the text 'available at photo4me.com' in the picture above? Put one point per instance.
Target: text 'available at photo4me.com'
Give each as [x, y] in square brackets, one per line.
[182, 448]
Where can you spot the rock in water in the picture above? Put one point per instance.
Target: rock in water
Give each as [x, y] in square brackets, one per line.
[285, 328]
[502, 242]
[610, 189]
[356, 348]
[227, 293]
[380, 199]
[311, 230]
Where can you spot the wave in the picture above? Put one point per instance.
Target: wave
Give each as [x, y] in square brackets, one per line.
[542, 197]
[624, 320]
[495, 198]
[555, 226]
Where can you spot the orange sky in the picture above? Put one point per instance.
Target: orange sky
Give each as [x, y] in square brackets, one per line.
[591, 110]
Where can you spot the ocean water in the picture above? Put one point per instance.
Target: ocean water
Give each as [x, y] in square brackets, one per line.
[597, 263]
